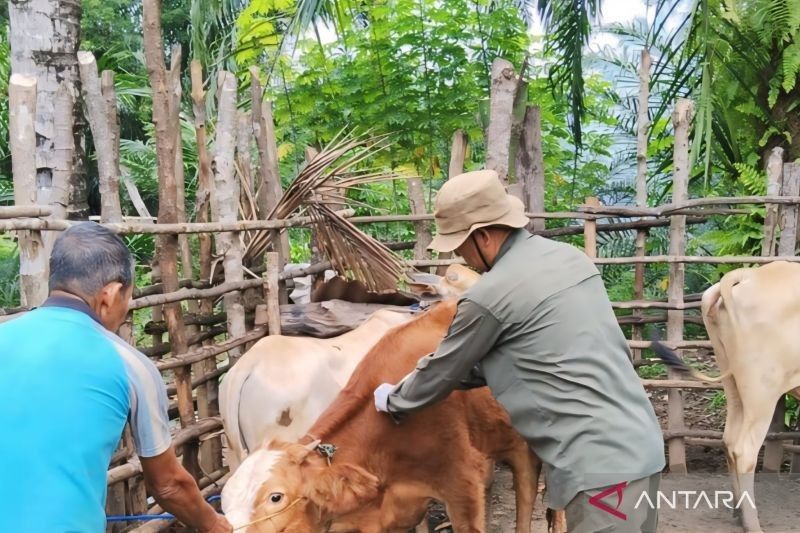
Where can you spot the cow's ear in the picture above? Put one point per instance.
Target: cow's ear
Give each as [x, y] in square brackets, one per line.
[341, 488]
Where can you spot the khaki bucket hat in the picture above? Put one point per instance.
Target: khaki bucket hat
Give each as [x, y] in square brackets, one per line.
[471, 201]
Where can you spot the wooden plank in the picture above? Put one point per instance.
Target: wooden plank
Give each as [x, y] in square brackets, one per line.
[681, 118]
[498, 135]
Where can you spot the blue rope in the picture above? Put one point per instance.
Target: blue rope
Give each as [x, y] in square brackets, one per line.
[145, 517]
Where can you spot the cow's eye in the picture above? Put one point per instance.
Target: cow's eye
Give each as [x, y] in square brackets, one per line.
[276, 497]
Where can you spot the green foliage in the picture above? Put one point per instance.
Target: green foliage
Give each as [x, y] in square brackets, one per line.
[654, 371]
[717, 401]
[5, 74]
[792, 416]
[9, 272]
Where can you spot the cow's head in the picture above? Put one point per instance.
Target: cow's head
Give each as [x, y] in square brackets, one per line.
[289, 488]
[457, 280]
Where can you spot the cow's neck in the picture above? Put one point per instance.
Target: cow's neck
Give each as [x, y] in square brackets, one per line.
[344, 409]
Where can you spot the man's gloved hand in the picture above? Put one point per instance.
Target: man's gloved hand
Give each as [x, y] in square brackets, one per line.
[382, 397]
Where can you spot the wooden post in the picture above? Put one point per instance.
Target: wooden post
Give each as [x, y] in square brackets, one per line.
[773, 451]
[244, 165]
[56, 192]
[774, 184]
[208, 395]
[167, 212]
[22, 140]
[643, 125]
[530, 166]
[681, 118]
[498, 135]
[590, 230]
[101, 108]
[416, 198]
[270, 190]
[519, 108]
[224, 204]
[458, 153]
[271, 287]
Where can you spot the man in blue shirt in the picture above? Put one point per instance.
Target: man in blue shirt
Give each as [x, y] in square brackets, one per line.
[68, 385]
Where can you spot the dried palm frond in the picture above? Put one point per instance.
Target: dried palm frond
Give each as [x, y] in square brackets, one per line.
[322, 182]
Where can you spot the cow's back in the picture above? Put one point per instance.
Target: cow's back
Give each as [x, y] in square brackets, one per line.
[754, 311]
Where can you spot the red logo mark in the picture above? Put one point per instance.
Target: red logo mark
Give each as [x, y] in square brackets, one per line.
[614, 489]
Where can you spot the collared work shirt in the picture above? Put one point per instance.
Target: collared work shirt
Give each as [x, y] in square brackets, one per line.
[67, 387]
[539, 329]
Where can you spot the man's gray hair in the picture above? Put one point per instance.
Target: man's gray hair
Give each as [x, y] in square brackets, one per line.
[86, 258]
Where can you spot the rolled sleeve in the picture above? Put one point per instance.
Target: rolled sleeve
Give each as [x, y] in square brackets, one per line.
[454, 365]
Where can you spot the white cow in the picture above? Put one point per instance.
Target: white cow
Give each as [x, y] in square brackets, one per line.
[281, 385]
[752, 317]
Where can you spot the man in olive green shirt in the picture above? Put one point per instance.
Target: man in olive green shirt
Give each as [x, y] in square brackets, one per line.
[539, 330]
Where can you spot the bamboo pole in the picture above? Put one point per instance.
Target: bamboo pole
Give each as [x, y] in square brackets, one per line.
[167, 210]
[686, 207]
[590, 231]
[224, 204]
[99, 99]
[679, 259]
[501, 103]
[458, 153]
[25, 211]
[22, 143]
[643, 126]
[681, 118]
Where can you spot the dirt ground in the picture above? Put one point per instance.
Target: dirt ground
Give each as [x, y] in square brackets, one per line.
[779, 504]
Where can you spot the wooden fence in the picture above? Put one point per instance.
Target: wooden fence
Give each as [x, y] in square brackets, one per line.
[242, 183]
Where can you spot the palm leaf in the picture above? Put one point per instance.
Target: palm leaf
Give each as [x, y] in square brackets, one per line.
[321, 182]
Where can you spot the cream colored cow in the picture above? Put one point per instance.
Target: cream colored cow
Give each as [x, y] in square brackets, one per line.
[282, 384]
[753, 318]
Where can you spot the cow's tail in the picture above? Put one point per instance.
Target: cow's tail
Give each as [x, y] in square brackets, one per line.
[672, 360]
[230, 396]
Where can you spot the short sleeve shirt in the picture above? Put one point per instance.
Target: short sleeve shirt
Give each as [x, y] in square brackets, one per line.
[67, 387]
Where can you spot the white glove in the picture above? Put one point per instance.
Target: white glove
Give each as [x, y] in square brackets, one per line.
[382, 397]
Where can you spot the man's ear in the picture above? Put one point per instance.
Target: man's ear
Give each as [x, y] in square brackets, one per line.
[341, 488]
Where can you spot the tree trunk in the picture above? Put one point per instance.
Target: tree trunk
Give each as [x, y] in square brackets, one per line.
[44, 41]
